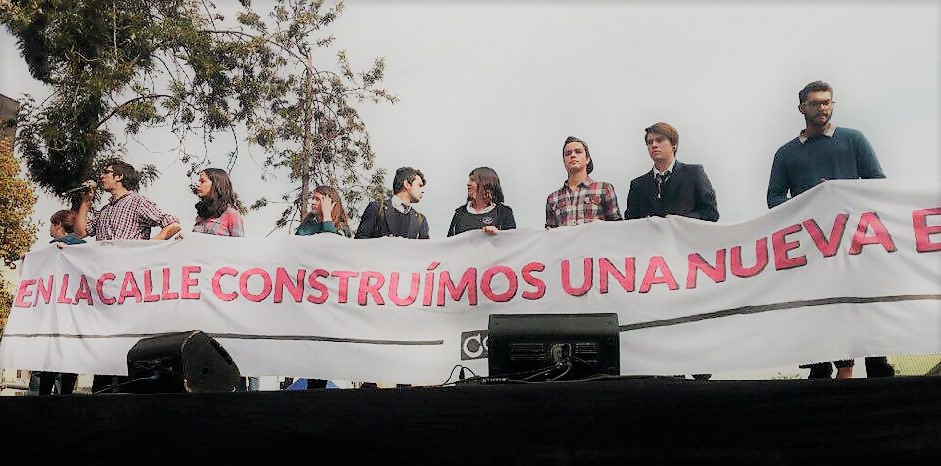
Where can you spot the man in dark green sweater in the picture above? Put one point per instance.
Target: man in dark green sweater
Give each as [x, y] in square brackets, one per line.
[824, 152]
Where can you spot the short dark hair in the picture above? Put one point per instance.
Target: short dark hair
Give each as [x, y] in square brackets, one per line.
[131, 177]
[813, 87]
[666, 130]
[406, 174]
[65, 218]
[488, 181]
[571, 139]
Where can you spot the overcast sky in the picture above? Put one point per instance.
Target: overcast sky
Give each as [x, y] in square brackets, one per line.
[502, 85]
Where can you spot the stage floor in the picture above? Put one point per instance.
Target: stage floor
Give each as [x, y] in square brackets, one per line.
[620, 420]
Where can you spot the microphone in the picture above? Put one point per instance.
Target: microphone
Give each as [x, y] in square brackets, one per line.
[85, 185]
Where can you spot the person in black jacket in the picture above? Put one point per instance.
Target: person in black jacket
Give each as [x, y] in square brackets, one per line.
[396, 216]
[672, 187]
[484, 209]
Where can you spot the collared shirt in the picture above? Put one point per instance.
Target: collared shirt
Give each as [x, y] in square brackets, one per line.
[230, 223]
[656, 172]
[400, 205]
[828, 131]
[590, 201]
[130, 216]
[472, 210]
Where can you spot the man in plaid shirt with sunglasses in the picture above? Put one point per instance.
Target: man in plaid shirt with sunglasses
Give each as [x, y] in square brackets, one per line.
[580, 199]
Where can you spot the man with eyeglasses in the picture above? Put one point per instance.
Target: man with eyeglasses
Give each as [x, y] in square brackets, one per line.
[823, 151]
[128, 215]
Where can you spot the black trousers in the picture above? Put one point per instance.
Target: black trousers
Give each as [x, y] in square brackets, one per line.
[47, 380]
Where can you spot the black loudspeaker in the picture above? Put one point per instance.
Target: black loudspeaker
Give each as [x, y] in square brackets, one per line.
[191, 362]
[537, 347]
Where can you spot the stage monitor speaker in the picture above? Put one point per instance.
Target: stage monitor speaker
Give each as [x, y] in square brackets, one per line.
[192, 362]
[538, 347]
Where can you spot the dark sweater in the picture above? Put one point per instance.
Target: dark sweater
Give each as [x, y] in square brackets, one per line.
[501, 217]
[798, 167]
[381, 219]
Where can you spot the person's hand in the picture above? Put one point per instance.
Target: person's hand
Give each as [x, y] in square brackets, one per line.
[89, 192]
[326, 208]
[490, 230]
[60, 245]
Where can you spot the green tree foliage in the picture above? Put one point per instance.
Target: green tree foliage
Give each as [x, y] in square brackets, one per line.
[180, 64]
[307, 124]
[143, 63]
[17, 233]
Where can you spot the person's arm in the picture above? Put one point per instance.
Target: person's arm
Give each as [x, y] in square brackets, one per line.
[423, 228]
[632, 211]
[609, 202]
[551, 220]
[168, 231]
[150, 214]
[326, 214]
[327, 226]
[367, 223]
[237, 225]
[777, 183]
[867, 164]
[508, 222]
[81, 217]
[706, 207]
[452, 230]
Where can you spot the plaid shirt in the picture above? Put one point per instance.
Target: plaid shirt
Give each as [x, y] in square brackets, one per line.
[228, 224]
[592, 200]
[129, 217]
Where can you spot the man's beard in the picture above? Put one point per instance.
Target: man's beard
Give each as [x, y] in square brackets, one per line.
[813, 121]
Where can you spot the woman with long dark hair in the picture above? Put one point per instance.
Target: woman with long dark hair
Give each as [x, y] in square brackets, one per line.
[216, 213]
[485, 209]
[326, 214]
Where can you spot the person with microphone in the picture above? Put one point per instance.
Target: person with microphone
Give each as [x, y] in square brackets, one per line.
[127, 215]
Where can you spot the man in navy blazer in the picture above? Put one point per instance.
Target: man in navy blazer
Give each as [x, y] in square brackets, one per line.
[672, 187]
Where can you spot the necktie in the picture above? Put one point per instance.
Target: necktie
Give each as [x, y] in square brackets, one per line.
[661, 178]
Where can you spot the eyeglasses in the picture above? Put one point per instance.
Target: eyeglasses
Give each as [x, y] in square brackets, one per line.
[103, 172]
[820, 103]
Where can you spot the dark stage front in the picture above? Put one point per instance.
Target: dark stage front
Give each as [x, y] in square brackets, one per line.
[623, 420]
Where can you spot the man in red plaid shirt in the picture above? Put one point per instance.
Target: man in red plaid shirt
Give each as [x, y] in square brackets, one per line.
[128, 215]
[580, 199]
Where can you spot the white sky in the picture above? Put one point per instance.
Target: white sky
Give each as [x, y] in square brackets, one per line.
[482, 84]
[502, 85]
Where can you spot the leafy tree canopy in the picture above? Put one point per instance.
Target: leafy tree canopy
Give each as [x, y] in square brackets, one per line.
[180, 64]
[17, 233]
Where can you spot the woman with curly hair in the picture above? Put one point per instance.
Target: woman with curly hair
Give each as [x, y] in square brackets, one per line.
[216, 213]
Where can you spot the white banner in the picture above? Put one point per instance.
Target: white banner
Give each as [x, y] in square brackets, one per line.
[849, 269]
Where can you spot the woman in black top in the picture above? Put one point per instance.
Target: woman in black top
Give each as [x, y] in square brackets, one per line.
[484, 209]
